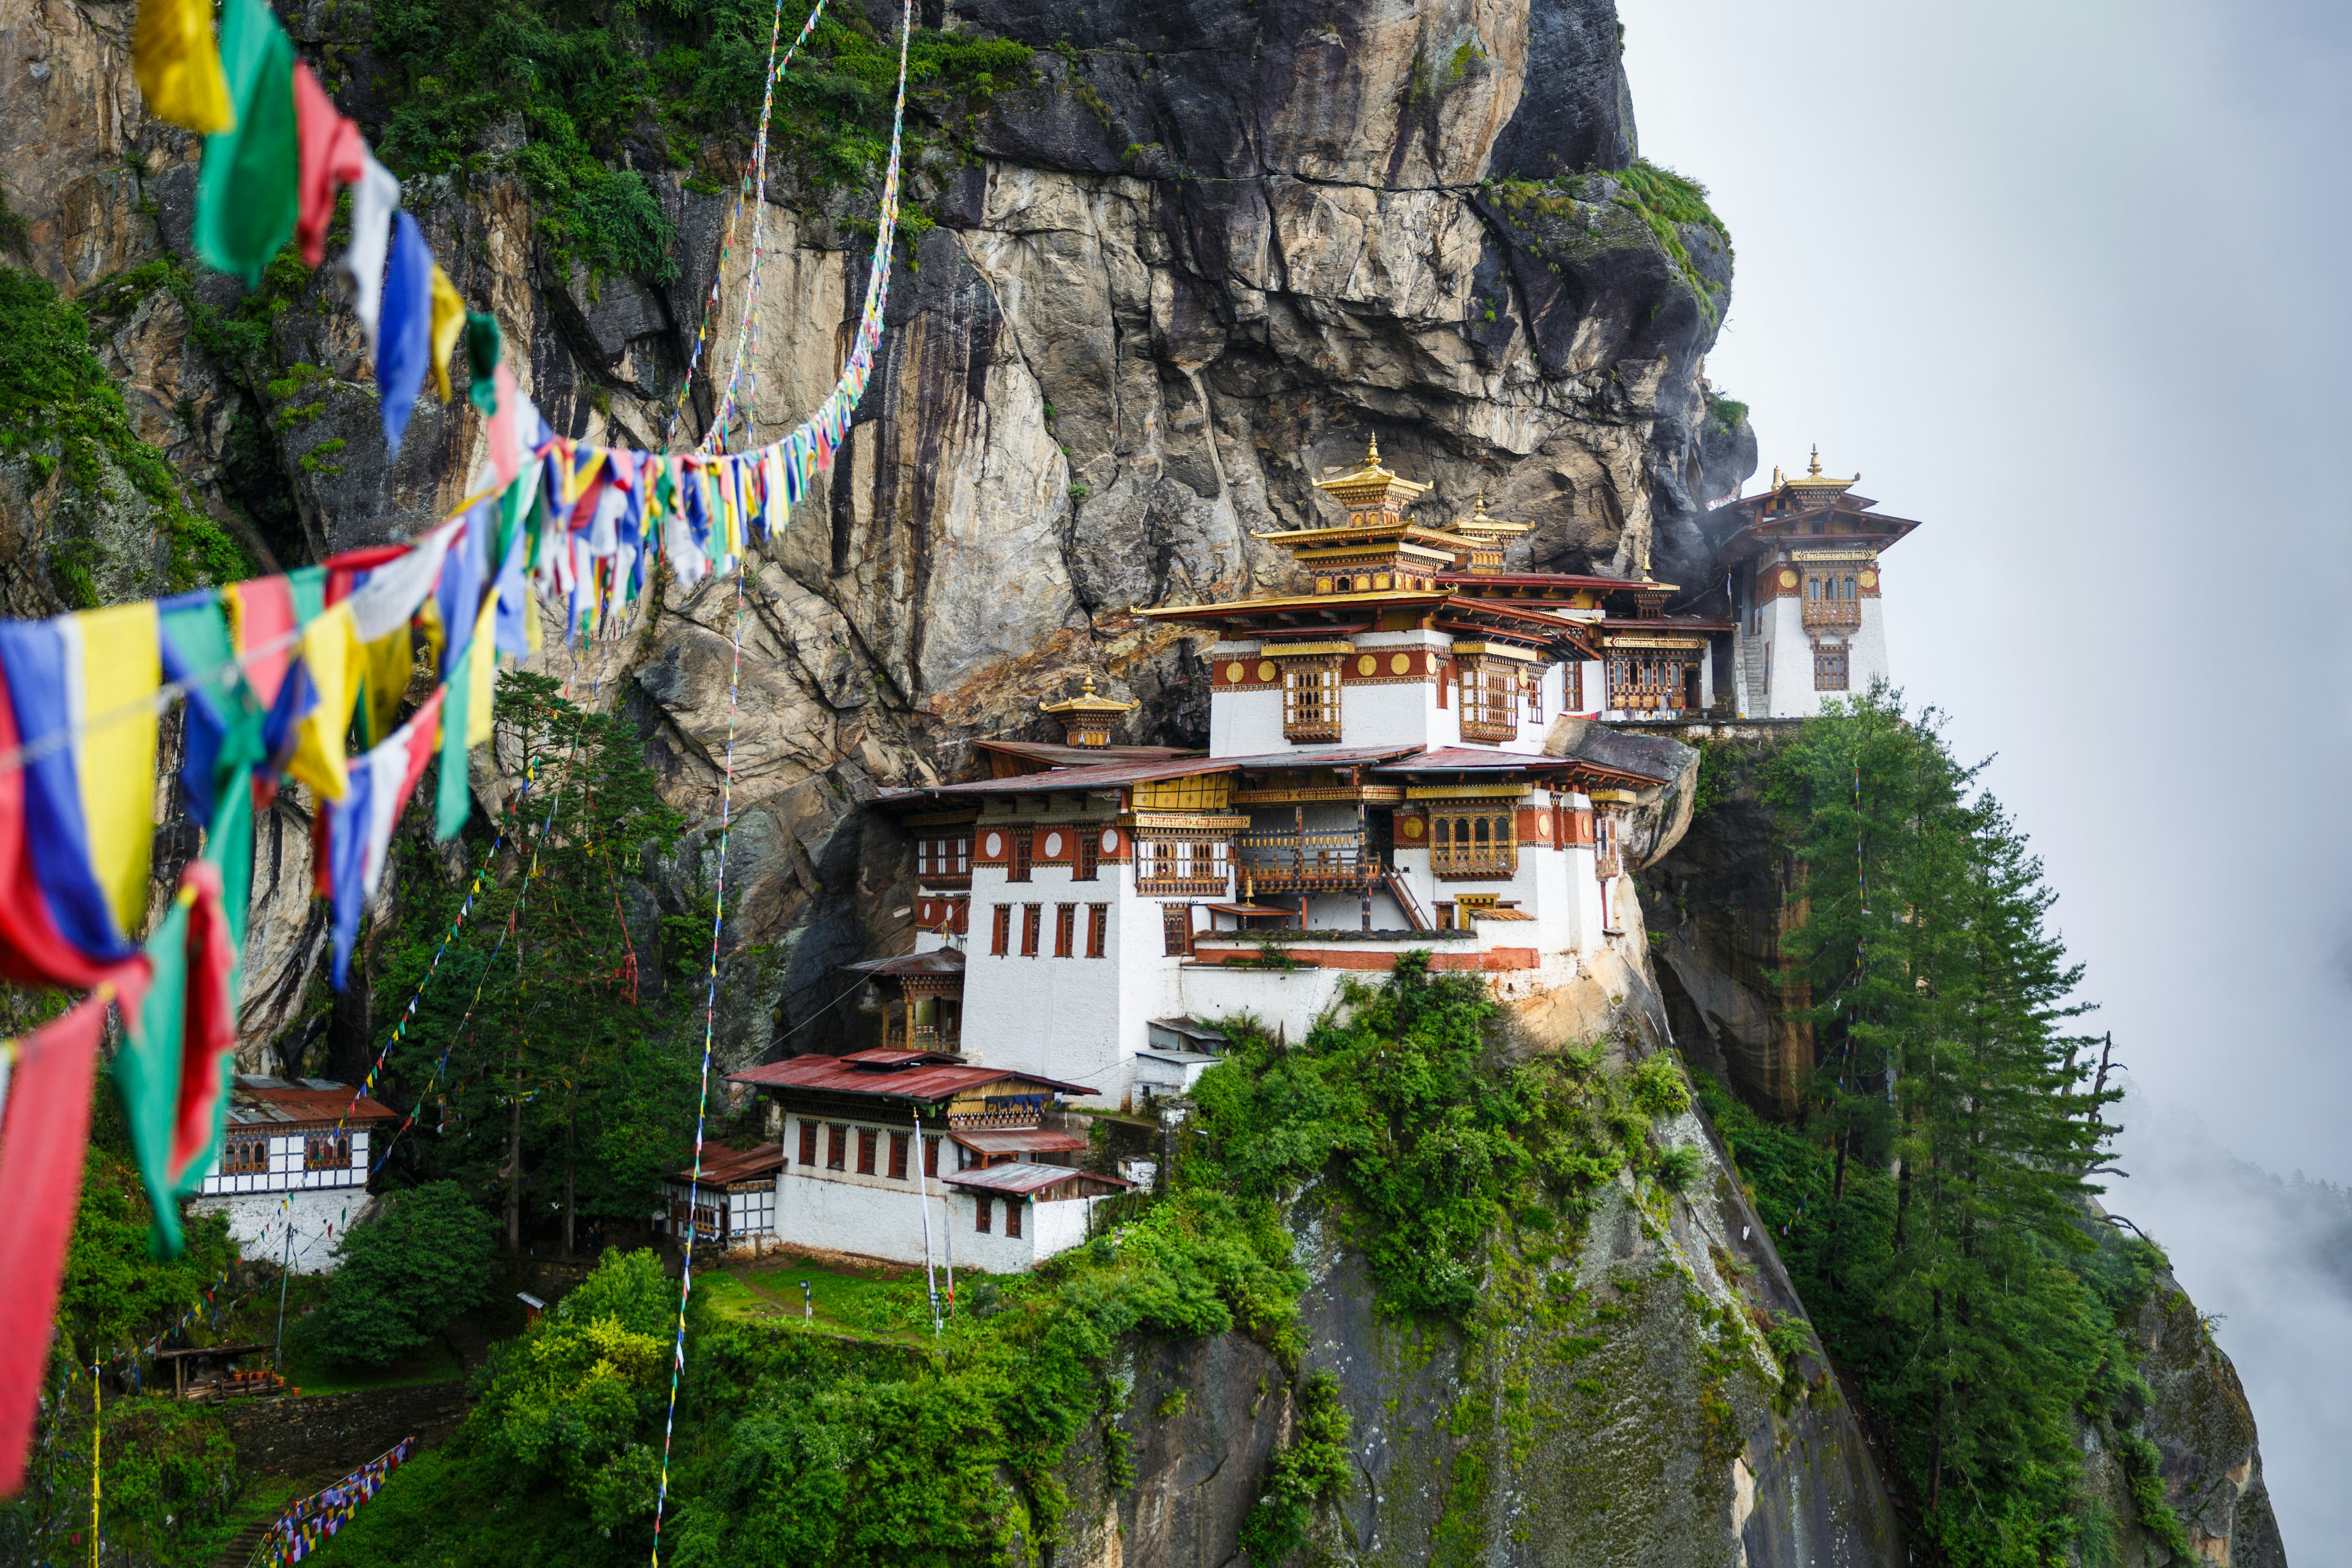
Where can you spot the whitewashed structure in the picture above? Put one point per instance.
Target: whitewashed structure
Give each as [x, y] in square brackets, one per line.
[1807, 593]
[296, 1153]
[1401, 759]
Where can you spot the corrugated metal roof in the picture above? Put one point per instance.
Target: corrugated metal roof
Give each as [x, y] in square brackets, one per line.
[938, 960]
[841, 1075]
[1024, 1178]
[722, 1166]
[1071, 780]
[1019, 1140]
[1084, 756]
[256, 1101]
[1453, 759]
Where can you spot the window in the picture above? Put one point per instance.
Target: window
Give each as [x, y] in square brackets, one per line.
[836, 1146]
[1183, 866]
[1098, 930]
[980, 1207]
[808, 1142]
[1310, 700]
[1571, 681]
[1490, 699]
[945, 858]
[1481, 843]
[931, 1155]
[1000, 942]
[1065, 930]
[1176, 926]
[1829, 666]
[1643, 682]
[1535, 695]
[1013, 1218]
[1089, 855]
[898, 1155]
[867, 1140]
[1032, 920]
[246, 1157]
[1021, 845]
[326, 1150]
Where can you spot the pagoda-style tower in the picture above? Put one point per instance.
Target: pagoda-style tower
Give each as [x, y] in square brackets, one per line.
[1805, 586]
[1087, 719]
[1488, 537]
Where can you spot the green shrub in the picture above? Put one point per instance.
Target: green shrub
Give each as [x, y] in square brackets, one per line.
[405, 1275]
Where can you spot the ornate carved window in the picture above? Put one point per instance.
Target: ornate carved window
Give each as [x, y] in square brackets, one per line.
[1535, 695]
[1642, 681]
[1176, 929]
[326, 1150]
[1023, 845]
[1479, 841]
[1829, 666]
[1490, 698]
[1310, 698]
[1571, 686]
[1032, 922]
[246, 1157]
[1000, 942]
[1186, 865]
[1065, 930]
[867, 1142]
[1831, 600]
[1089, 855]
[1098, 930]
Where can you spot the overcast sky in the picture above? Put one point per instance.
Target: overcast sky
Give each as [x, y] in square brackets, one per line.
[2068, 283]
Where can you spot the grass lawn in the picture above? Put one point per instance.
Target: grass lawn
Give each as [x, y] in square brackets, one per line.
[885, 1301]
[312, 1375]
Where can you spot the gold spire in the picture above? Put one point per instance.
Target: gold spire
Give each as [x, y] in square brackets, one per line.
[1371, 488]
[1087, 719]
[1814, 482]
[1372, 451]
[1816, 469]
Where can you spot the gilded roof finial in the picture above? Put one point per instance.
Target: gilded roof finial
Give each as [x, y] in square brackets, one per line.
[1816, 469]
[1372, 451]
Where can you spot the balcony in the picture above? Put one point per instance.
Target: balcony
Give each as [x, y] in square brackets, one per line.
[1318, 860]
[1475, 862]
[1183, 887]
[1832, 614]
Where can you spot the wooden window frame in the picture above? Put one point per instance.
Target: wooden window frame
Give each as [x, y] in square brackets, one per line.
[869, 1146]
[1024, 855]
[1065, 930]
[1176, 940]
[980, 1207]
[1533, 696]
[1490, 698]
[1012, 1219]
[1098, 930]
[1033, 928]
[1833, 667]
[944, 860]
[931, 1155]
[1089, 861]
[1476, 842]
[898, 1142]
[327, 1152]
[1000, 943]
[1572, 687]
[808, 1144]
[836, 1146]
[245, 1157]
[1311, 693]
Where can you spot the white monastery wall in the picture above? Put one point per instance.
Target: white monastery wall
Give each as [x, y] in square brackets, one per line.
[1284, 1000]
[1867, 661]
[319, 1218]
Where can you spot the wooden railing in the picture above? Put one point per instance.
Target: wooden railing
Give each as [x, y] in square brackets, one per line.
[1276, 862]
[1832, 614]
[1484, 862]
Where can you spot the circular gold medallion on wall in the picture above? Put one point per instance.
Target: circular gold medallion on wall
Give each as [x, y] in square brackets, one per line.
[1266, 670]
[1400, 663]
[1787, 578]
[1366, 665]
[1234, 673]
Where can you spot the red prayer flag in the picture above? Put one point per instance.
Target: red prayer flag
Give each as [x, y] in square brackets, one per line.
[332, 155]
[41, 1146]
[210, 1033]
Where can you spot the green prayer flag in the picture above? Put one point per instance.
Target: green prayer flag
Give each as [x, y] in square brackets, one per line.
[482, 360]
[454, 799]
[248, 195]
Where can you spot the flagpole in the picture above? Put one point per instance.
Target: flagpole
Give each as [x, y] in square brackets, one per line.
[97, 1477]
[285, 1268]
[923, 1196]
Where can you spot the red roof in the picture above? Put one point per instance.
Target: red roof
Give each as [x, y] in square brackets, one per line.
[1055, 754]
[1023, 1178]
[926, 1079]
[722, 1167]
[1451, 759]
[1072, 781]
[1020, 1140]
[254, 1101]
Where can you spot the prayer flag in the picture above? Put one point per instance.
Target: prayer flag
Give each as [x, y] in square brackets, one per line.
[40, 1183]
[327, 671]
[245, 199]
[113, 669]
[32, 948]
[404, 336]
[483, 363]
[502, 429]
[179, 66]
[448, 323]
[374, 198]
[363, 821]
[42, 678]
[332, 156]
[464, 720]
[172, 1071]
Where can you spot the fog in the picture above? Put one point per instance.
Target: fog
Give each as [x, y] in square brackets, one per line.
[2068, 283]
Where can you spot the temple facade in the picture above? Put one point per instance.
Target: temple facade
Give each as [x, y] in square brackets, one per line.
[1410, 748]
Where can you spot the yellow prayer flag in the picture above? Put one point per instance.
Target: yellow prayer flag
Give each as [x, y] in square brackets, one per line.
[481, 671]
[114, 749]
[383, 666]
[327, 645]
[448, 323]
[178, 64]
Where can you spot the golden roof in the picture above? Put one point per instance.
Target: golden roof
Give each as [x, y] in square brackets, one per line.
[1481, 527]
[1087, 702]
[1372, 487]
[1815, 482]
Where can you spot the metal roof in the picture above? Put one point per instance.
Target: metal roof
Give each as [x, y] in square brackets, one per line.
[1023, 1178]
[1190, 1027]
[722, 1166]
[929, 1079]
[938, 960]
[1061, 755]
[1113, 775]
[1019, 1140]
[255, 1101]
[1462, 759]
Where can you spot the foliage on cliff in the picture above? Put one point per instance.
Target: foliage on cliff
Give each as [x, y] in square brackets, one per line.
[872, 1443]
[1933, 1199]
[63, 414]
